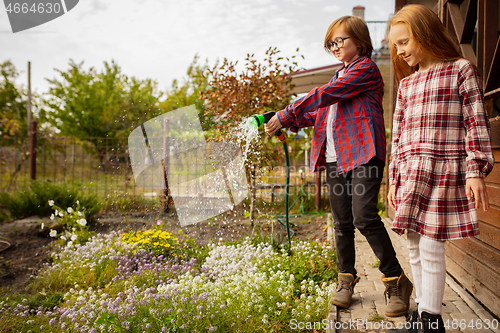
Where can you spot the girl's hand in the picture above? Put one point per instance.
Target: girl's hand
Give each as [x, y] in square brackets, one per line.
[390, 196]
[476, 189]
[272, 125]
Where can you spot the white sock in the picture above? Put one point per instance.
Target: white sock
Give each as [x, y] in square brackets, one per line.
[413, 240]
[433, 275]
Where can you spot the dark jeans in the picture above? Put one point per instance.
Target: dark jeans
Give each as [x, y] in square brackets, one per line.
[353, 199]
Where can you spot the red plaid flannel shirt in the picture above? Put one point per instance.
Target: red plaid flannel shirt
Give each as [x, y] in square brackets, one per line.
[358, 129]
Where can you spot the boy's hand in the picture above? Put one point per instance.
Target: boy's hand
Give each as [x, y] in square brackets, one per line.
[476, 189]
[390, 196]
[272, 125]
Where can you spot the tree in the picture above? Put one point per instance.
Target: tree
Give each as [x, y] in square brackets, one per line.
[13, 112]
[189, 93]
[232, 97]
[88, 104]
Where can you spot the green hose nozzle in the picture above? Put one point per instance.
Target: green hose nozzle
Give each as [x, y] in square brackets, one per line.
[260, 119]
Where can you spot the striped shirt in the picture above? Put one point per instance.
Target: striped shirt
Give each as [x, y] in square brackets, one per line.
[358, 128]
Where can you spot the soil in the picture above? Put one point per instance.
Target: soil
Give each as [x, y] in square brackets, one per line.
[28, 250]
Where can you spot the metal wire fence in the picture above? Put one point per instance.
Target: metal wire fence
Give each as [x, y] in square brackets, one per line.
[102, 166]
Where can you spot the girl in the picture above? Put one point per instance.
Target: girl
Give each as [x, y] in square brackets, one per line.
[349, 140]
[441, 151]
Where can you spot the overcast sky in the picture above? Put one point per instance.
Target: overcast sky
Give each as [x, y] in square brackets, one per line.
[158, 39]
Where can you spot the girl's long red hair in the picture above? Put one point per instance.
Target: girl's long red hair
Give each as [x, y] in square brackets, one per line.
[429, 34]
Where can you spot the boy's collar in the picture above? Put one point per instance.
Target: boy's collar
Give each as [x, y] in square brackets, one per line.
[345, 68]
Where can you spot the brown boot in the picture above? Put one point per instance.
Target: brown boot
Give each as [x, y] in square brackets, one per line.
[397, 295]
[345, 290]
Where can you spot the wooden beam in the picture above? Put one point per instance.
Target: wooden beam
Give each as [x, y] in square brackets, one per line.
[480, 36]
[492, 94]
[456, 19]
[490, 34]
[459, 2]
[468, 52]
[487, 18]
[456, 26]
[469, 23]
[398, 4]
[492, 80]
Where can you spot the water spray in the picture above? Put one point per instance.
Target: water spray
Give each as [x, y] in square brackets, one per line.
[259, 120]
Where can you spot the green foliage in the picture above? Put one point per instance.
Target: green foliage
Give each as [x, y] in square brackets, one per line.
[12, 103]
[72, 222]
[47, 300]
[376, 317]
[381, 206]
[189, 92]
[35, 199]
[375, 264]
[318, 268]
[123, 203]
[268, 290]
[85, 104]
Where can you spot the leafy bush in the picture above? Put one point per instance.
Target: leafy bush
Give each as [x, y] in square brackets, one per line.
[68, 225]
[35, 199]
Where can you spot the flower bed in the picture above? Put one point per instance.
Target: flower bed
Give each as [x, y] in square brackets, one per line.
[153, 281]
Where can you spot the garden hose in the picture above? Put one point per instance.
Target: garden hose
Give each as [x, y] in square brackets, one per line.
[258, 121]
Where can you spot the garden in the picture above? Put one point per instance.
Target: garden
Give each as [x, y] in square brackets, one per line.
[84, 270]
[83, 248]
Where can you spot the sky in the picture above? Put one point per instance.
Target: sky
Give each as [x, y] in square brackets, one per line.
[158, 39]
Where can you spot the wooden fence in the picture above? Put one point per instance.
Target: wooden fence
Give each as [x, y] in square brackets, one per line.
[475, 262]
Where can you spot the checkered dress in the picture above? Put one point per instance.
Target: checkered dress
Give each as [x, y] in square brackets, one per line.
[440, 137]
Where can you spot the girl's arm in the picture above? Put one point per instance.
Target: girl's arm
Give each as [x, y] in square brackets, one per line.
[396, 133]
[361, 77]
[477, 141]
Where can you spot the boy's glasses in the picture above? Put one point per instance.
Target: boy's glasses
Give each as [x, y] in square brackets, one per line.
[338, 42]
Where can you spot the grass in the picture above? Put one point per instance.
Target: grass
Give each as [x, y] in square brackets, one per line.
[376, 317]
[375, 264]
[34, 200]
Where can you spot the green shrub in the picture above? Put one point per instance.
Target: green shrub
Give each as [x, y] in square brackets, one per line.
[35, 200]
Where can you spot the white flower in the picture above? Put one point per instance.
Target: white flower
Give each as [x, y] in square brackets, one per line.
[51, 203]
[70, 210]
[78, 202]
[63, 237]
[43, 225]
[70, 243]
[53, 233]
[79, 214]
[82, 222]
[61, 213]
[74, 237]
[52, 217]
